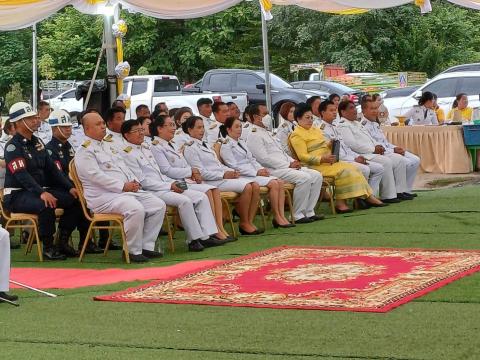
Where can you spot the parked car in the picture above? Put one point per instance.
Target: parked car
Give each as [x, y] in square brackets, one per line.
[153, 89]
[330, 88]
[398, 92]
[66, 101]
[446, 86]
[253, 83]
[463, 67]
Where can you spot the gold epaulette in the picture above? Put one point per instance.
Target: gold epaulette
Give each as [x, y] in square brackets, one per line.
[155, 142]
[108, 138]
[322, 126]
[213, 126]
[128, 149]
[86, 144]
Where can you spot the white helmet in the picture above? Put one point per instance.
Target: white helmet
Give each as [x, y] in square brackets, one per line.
[59, 118]
[20, 111]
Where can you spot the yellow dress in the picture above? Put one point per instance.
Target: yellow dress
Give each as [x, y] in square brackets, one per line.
[310, 145]
[440, 116]
[466, 114]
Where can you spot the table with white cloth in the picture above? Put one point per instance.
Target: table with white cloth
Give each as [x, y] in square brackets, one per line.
[441, 148]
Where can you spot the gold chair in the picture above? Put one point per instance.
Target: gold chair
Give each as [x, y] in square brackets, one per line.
[289, 188]
[116, 219]
[229, 198]
[23, 221]
[169, 223]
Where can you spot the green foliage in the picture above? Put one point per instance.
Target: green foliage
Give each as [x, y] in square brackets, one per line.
[14, 95]
[46, 67]
[142, 71]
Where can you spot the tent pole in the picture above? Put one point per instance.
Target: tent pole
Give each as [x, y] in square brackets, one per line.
[266, 64]
[110, 54]
[34, 67]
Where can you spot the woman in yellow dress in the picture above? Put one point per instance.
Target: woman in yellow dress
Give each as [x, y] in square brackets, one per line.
[314, 151]
[460, 110]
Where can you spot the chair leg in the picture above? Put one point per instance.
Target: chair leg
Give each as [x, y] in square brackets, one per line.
[109, 240]
[169, 233]
[262, 214]
[124, 243]
[39, 244]
[288, 197]
[230, 217]
[30, 240]
[85, 243]
[331, 193]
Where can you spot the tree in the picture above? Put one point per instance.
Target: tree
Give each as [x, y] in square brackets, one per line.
[14, 95]
[46, 67]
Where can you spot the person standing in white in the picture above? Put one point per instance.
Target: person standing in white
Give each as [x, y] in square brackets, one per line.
[44, 131]
[204, 106]
[110, 187]
[193, 206]
[221, 113]
[5, 266]
[369, 122]
[114, 118]
[372, 171]
[394, 180]
[269, 153]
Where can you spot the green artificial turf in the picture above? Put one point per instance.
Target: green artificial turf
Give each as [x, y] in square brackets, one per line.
[444, 324]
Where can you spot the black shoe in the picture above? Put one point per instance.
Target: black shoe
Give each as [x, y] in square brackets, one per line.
[68, 251]
[410, 194]
[404, 196]
[304, 220]
[137, 258]
[195, 246]
[382, 204]
[211, 242]
[92, 248]
[4, 295]
[391, 201]
[317, 217]
[227, 239]
[363, 205]
[246, 233]
[276, 225]
[347, 211]
[14, 246]
[53, 254]
[151, 254]
[112, 246]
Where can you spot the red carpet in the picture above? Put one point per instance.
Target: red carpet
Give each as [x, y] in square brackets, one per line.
[43, 278]
[343, 279]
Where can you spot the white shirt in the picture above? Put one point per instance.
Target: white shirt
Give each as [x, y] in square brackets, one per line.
[44, 132]
[420, 115]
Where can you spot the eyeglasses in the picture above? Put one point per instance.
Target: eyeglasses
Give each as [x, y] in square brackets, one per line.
[139, 130]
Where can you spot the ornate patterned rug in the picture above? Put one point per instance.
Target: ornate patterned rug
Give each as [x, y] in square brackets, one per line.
[342, 279]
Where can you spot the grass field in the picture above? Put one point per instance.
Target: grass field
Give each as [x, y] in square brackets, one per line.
[442, 325]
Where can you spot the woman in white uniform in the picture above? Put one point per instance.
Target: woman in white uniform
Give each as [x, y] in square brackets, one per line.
[424, 112]
[180, 116]
[172, 164]
[235, 155]
[199, 155]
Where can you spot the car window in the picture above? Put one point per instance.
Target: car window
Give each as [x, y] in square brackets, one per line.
[470, 86]
[248, 82]
[220, 82]
[311, 86]
[69, 94]
[166, 85]
[139, 87]
[443, 87]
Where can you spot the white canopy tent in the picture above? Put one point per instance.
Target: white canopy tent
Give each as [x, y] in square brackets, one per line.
[17, 14]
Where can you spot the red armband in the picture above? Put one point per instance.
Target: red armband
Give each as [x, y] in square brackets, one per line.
[16, 165]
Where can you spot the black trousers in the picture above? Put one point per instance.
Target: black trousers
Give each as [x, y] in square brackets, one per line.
[28, 202]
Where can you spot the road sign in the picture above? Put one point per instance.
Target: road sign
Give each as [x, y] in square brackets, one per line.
[402, 79]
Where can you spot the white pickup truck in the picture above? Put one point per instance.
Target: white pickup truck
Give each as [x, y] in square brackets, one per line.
[153, 89]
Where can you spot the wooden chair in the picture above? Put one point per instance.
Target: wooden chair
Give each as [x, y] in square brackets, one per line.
[289, 188]
[116, 219]
[23, 221]
[229, 198]
[169, 225]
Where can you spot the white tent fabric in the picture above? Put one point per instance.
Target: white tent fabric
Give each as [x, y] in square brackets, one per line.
[16, 14]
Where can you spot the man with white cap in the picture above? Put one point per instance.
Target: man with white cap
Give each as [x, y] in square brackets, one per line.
[34, 184]
[62, 152]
